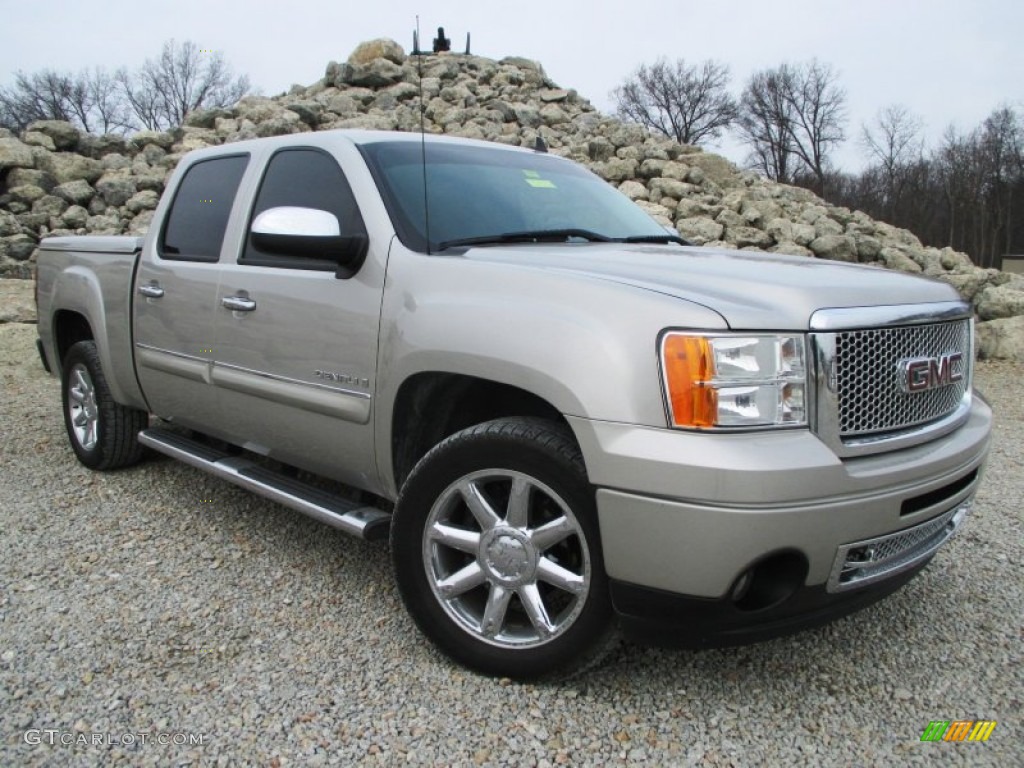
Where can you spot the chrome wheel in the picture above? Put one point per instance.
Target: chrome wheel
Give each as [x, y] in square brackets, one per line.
[506, 558]
[82, 407]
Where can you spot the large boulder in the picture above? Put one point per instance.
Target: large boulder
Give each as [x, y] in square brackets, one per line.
[1001, 339]
[14, 154]
[996, 302]
[63, 134]
[382, 48]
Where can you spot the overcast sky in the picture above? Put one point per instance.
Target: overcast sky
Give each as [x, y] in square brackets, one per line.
[948, 61]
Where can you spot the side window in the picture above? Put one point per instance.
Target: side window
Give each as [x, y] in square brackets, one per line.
[306, 178]
[199, 214]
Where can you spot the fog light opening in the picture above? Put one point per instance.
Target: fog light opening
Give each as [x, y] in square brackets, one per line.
[769, 582]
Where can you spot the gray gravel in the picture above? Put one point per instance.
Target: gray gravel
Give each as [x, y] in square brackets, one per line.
[158, 601]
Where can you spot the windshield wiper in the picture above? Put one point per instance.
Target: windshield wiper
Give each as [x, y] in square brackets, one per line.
[664, 239]
[527, 236]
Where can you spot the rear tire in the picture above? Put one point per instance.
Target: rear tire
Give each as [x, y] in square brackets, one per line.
[103, 433]
[497, 551]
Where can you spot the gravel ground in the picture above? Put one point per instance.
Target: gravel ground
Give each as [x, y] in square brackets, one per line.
[159, 604]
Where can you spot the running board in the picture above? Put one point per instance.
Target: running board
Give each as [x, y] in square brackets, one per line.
[362, 521]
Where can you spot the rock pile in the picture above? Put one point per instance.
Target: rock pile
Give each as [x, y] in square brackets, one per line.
[57, 180]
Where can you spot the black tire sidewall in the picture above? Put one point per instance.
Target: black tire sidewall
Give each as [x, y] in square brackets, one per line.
[456, 457]
[113, 418]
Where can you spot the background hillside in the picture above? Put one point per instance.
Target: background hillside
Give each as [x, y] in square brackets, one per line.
[55, 179]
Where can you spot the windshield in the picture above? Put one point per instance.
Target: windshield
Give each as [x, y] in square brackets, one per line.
[481, 193]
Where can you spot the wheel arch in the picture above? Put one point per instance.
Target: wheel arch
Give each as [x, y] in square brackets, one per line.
[431, 406]
[69, 327]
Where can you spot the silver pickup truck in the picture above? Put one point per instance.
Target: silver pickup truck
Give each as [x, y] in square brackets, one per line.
[570, 423]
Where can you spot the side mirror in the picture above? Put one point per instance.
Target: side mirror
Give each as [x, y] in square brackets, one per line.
[309, 232]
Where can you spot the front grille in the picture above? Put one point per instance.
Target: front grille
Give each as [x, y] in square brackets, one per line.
[864, 562]
[869, 377]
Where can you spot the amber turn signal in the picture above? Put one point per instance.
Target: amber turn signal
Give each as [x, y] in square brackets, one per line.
[689, 368]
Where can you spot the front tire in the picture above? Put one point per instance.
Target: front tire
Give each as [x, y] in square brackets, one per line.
[103, 433]
[497, 551]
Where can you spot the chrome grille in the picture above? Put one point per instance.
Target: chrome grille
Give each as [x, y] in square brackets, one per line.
[864, 562]
[868, 376]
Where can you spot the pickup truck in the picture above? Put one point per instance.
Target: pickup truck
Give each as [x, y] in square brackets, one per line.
[571, 424]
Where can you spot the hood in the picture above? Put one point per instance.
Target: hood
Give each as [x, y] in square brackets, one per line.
[750, 290]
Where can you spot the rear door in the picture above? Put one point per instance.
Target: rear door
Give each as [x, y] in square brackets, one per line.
[176, 294]
[297, 345]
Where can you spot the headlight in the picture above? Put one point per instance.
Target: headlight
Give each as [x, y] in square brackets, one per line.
[735, 381]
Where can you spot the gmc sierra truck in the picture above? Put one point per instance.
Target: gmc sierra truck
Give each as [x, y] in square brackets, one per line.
[570, 423]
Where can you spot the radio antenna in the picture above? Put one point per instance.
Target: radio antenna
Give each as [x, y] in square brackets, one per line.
[423, 131]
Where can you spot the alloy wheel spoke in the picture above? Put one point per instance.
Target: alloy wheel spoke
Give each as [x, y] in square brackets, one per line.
[461, 581]
[478, 504]
[83, 385]
[77, 395]
[80, 419]
[456, 538]
[530, 597]
[494, 613]
[551, 533]
[518, 510]
[552, 573]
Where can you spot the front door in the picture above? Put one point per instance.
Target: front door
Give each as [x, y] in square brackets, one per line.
[296, 345]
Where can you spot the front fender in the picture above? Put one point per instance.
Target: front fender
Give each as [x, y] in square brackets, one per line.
[586, 345]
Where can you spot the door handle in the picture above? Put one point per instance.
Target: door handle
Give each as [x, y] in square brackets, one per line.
[152, 290]
[238, 303]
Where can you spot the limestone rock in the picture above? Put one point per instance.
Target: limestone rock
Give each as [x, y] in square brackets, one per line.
[745, 237]
[142, 201]
[67, 166]
[8, 224]
[78, 192]
[63, 134]
[115, 190]
[14, 154]
[1001, 339]
[17, 177]
[894, 258]
[382, 48]
[836, 247]
[699, 230]
[378, 73]
[996, 302]
[160, 138]
[634, 190]
[75, 217]
[50, 205]
[38, 139]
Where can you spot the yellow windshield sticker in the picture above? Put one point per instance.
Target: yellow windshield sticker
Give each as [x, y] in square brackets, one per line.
[534, 180]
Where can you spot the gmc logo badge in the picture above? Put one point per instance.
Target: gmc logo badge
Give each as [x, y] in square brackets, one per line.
[924, 373]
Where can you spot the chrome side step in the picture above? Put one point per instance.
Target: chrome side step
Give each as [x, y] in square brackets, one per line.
[365, 522]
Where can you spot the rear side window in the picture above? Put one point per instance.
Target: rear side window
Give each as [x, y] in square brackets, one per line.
[199, 214]
[306, 178]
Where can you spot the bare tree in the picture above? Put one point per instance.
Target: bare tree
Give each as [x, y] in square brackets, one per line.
[895, 145]
[183, 79]
[89, 100]
[766, 123]
[686, 102]
[819, 112]
[792, 117]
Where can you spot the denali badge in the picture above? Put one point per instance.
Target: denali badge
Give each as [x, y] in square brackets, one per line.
[923, 373]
